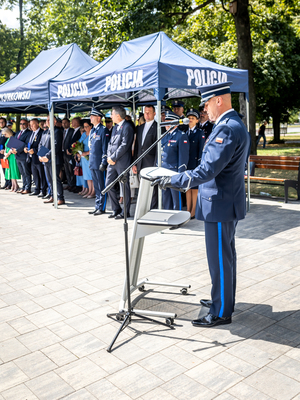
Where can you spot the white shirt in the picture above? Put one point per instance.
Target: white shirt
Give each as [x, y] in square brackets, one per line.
[120, 124]
[146, 129]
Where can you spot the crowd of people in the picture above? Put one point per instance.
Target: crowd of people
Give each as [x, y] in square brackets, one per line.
[91, 152]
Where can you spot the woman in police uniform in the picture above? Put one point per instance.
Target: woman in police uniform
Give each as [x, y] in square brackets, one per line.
[196, 139]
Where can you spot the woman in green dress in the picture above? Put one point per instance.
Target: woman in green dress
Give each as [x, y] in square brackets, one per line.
[12, 172]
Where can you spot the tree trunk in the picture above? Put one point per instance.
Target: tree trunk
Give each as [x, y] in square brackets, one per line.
[244, 61]
[20, 53]
[276, 127]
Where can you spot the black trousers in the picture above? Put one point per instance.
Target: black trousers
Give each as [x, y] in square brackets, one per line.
[69, 164]
[39, 178]
[113, 171]
[60, 190]
[25, 171]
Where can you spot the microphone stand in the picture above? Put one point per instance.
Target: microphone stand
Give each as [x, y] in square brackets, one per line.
[126, 316]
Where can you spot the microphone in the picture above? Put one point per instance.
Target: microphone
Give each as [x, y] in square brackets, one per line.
[184, 121]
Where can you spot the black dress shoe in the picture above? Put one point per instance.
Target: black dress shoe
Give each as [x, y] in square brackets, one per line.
[211, 320]
[121, 216]
[41, 195]
[34, 194]
[99, 212]
[92, 212]
[206, 303]
[115, 213]
[47, 196]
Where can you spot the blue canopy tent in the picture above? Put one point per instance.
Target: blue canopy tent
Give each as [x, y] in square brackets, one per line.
[149, 69]
[28, 92]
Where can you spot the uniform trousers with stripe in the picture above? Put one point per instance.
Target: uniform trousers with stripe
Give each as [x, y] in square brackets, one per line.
[98, 178]
[171, 199]
[221, 257]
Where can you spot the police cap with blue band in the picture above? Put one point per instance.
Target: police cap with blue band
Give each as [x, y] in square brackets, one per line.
[171, 116]
[177, 103]
[210, 91]
[96, 112]
[194, 112]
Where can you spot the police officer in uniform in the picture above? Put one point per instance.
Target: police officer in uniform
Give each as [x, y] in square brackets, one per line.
[197, 139]
[221, 198]
[178, 109]
[204, 122]
[174, 156]
[99, 137]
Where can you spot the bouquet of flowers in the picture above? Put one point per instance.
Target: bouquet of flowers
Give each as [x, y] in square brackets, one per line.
[77, 147]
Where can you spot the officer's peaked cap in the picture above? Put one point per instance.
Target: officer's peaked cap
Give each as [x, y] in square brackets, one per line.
[177, 103]
[96, 112]
[194, 112]
[217, 89]
[170, 116]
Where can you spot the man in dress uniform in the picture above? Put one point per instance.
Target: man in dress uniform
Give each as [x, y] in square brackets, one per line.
[98, 159]
[221, 198]
[119, 158]
[37, 167]
[109, 125]
[178, 109]
[146, 135]
[47, 160]
[204, 122]
[174, 156]
[24, 167]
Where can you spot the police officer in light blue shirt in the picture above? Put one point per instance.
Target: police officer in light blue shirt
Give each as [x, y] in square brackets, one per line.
[99, 137]
[221, 198]
[174, 156]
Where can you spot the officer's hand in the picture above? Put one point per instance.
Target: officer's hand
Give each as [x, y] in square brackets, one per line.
[102, 167]
[164, 182]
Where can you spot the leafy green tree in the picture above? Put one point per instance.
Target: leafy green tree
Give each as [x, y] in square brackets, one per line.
[9, 39]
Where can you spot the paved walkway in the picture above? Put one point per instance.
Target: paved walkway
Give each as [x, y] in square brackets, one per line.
[62, 271]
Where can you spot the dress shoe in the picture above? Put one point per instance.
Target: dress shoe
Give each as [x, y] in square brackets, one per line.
[41, 195]
[121, 216]
[20, 190]
[115, 213]
[7, 188]
[211, 320]
[3, 187]
[99, 212]
[49, 201]
[47, 196]
[33, 194]
[60, 202]
[92, 212]
[26, 192]
[206, 303]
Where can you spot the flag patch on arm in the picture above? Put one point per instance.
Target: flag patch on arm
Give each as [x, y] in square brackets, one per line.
[219, 140]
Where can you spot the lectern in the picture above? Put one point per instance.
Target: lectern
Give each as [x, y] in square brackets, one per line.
[146, 222]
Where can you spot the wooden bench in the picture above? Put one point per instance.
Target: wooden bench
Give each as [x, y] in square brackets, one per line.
[291, 163]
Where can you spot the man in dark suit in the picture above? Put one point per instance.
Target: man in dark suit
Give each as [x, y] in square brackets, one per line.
[37, 168]
[47, 160]
[146, 135]
[109, 125]
[119, 158]
[204, 122]
[24, 167]
[221, 198]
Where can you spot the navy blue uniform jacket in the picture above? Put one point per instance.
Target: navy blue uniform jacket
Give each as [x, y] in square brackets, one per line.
[98, 146]
[197, 140]
[221, 195]
[175, 151]
[119, 146]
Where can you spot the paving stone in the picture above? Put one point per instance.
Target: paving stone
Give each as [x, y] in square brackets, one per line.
[49, 386]
[242, 391]
[106, 390]
[162, 367]
[83, 345]
[38, 339]
[11, 349]
[185, 388]
[10, 376]
[81, 394]
[18, 392]
[81, 373]
[287, 366]
[158, 393]
[59, 354]
[35, 364]
[274, 384]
